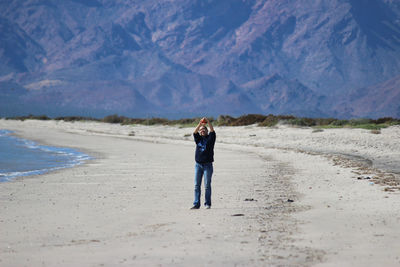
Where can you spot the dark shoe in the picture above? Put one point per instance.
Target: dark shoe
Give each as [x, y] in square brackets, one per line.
[195, 208]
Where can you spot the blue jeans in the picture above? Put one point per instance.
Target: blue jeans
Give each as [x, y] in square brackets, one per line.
[201, 169]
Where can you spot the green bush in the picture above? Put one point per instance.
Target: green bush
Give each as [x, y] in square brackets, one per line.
[75, 118]
[30, 117]
[248, 120]
[269, 121]
[306, 122]
[324, 121]
[370, 126]
[339, 123]
[383, 120]
[154, 121]
[225, 120]
[361, 121]
[113, 119]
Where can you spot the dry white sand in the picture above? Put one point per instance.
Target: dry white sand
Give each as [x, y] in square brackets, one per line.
[130, 205]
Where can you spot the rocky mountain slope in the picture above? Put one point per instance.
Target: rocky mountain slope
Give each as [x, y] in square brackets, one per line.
[184, 58]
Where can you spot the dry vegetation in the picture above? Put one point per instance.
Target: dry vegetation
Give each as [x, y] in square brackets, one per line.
[250, 119]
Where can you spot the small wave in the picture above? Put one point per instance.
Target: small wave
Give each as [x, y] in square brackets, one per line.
[9, 175]
[5, 177]
[5, 132]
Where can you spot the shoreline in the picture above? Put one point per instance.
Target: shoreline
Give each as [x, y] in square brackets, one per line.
[75, 157]
[298, 208]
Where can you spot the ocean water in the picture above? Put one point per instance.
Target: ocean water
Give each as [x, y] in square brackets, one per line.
[21, 157]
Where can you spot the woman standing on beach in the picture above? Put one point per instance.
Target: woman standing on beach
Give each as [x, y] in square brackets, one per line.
[204, 161]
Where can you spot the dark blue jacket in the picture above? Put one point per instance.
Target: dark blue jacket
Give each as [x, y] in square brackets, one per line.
[204, 147]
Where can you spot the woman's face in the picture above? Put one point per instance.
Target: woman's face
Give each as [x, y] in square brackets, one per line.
[203, 131]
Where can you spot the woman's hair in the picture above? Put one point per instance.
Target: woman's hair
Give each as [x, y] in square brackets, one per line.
[204, 127]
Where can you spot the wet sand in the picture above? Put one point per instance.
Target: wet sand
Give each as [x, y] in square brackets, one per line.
[279, 199]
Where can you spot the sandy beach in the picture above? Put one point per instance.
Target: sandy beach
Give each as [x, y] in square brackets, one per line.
[282, 196]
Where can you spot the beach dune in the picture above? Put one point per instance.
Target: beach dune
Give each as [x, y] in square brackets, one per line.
[279, 198]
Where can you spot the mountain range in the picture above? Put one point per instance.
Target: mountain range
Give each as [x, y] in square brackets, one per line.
[182, 58]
